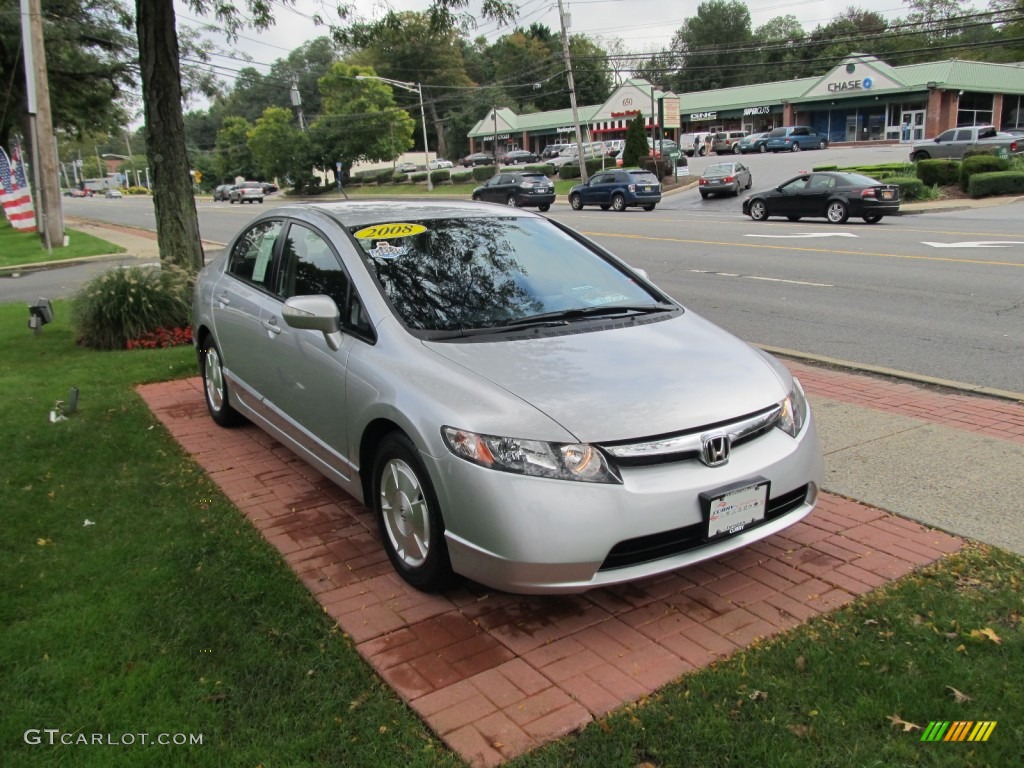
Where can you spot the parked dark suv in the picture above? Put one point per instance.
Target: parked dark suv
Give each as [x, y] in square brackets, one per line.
[618, 190]
[518, 189]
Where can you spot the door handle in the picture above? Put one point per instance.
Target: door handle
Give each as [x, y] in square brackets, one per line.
[223, 298]
[271, 325]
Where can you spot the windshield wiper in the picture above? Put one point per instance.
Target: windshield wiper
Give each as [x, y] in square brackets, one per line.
[581, 313]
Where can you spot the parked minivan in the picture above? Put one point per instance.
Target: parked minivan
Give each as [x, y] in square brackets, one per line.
[727, 142]
[793, 138]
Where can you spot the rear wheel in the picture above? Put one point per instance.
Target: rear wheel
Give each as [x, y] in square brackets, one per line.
[796, 146]
[648, 207]
[822, 144]
[618, 203]
[409, 516]
[837, 212]
[704, 195]
[511, 201]
[762, 149]
[544, 208]
[605, 207]
[873, 218]
[758, 210]
[577, 202]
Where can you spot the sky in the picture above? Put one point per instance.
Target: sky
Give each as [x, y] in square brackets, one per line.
[641, 25]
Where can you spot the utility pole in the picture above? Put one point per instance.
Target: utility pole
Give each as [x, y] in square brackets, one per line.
[572, 90]
[44, 146]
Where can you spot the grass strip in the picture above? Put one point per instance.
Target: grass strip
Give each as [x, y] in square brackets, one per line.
[169, 614]
[17, 248]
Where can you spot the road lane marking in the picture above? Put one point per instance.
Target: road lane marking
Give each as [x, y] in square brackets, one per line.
[807, 234]
[975, 244]
[759, 277]
[947, 259]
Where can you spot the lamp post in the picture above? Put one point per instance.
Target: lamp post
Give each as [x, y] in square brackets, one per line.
[418, 89]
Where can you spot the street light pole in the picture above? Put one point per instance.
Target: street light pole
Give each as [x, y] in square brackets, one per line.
[418, 89]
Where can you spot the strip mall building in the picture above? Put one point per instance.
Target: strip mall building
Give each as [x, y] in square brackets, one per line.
[862, 99]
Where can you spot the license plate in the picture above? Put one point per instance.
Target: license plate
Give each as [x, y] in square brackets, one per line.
[729, 510]
[887, 194]
[647, 189]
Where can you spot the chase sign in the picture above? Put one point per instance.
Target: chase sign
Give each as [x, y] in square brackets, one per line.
[850, 85]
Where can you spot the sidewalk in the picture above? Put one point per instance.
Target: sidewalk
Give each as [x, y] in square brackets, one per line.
[496, 675]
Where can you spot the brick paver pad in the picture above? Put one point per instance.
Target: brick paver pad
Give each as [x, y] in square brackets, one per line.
[496, 675]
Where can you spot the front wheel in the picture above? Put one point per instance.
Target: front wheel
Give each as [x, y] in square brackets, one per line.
[758, 210]
[873, 218]
[215, 386]
[822, 144]
[920, 156]
[576, 202]
[409, 516]
[837, 212]
[618, 203]
[762, 149]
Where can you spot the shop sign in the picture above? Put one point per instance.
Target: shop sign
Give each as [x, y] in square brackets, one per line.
[628, 113]
[499, 137]
[670, 108]
[850, 85]
[565, 129]
[703, 115]
[765, 110]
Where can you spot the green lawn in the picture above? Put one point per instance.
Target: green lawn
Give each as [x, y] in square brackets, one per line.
[169, 614]
[17, 248]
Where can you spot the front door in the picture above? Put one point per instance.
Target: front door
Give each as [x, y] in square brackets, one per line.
[912, 119]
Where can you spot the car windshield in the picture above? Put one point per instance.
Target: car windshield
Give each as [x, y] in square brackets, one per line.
[719, 169]
[480, 273]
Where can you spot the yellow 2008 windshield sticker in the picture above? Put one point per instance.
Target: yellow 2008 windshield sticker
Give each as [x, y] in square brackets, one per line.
[395, 229]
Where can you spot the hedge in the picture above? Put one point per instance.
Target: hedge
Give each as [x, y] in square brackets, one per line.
[569, 172]
[945, 173]
[662, 167]
[483, 172]
[973, 164]
[825, 168]
[418, 176]
[440, 175]
[911, 188]
[546, 168]
[996, 183]
[461, 177]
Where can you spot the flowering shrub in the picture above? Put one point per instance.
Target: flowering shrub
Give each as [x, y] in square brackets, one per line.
[160, 338]
[128, 303]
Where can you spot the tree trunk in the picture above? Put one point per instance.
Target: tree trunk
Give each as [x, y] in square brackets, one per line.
[177, 224]
[442, 143]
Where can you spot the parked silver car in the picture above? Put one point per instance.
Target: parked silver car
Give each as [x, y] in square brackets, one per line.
[246, 192]
[515, 404]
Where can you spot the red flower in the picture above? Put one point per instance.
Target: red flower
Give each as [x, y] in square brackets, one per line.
[160, 338]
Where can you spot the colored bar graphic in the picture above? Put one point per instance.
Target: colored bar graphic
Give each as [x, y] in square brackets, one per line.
[959, 730]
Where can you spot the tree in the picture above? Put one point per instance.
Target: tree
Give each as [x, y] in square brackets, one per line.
[177, 223]
[636, 143]
[89, 75]
[234, 157]
[277, 145]
[711, 46]
[781, 38]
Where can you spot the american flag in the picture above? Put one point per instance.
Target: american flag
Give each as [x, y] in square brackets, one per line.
[15, 195]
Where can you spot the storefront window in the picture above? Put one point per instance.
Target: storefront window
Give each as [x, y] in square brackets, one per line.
[1013, 112]
[974, 109]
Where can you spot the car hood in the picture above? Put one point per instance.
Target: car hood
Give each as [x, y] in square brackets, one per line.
[627, 382]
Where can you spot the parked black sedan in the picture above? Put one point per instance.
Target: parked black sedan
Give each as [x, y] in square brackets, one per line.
[518, 189]
[519, 157]
[832, 195]
[478, 158]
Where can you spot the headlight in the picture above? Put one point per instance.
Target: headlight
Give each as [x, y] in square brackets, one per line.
[794, 411]
[573, 461]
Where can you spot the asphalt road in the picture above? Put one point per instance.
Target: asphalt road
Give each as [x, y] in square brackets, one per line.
[939, 295]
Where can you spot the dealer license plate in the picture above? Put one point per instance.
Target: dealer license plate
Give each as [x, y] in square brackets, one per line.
[730, 510]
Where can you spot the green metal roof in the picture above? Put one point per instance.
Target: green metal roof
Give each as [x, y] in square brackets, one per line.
[966, 75]
[744, 95]
[535, 121]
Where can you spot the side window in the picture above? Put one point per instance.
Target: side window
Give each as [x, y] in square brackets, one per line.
[309, 267]
[963, 135]
[604, 178]
[800, 132]
[945, 136]
[795, 186]
[253, 253]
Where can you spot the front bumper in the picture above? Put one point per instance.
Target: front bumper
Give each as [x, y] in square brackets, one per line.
[535, 536]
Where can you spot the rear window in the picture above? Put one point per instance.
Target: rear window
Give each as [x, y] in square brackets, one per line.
[644, 177]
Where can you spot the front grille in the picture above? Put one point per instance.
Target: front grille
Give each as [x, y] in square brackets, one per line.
[655, 546]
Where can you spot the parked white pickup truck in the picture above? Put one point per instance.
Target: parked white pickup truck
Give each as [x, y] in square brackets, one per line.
[953, 143]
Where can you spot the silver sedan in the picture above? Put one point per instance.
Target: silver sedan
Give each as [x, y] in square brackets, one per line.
[727, 178]
[515, 404]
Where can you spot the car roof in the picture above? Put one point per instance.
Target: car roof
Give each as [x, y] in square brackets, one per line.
[355, 213]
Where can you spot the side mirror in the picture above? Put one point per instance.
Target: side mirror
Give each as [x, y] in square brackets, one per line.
[315, 313]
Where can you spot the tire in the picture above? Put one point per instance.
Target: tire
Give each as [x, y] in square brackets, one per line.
[476, 198]
[836, 212]
[873, 218]
[920, 156]
[822, 144]
[261, 201]
[703, 151]
[605, 206]
[648, 207]
[762, 149]
[793, 218]
[704, 195]
[544, 208]
[618, 203]
[231, 200]
[750, 183]
[576, 202]
[215, 388]
[796, 146]
[409, 516]
[758, 210]
[511, 201]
